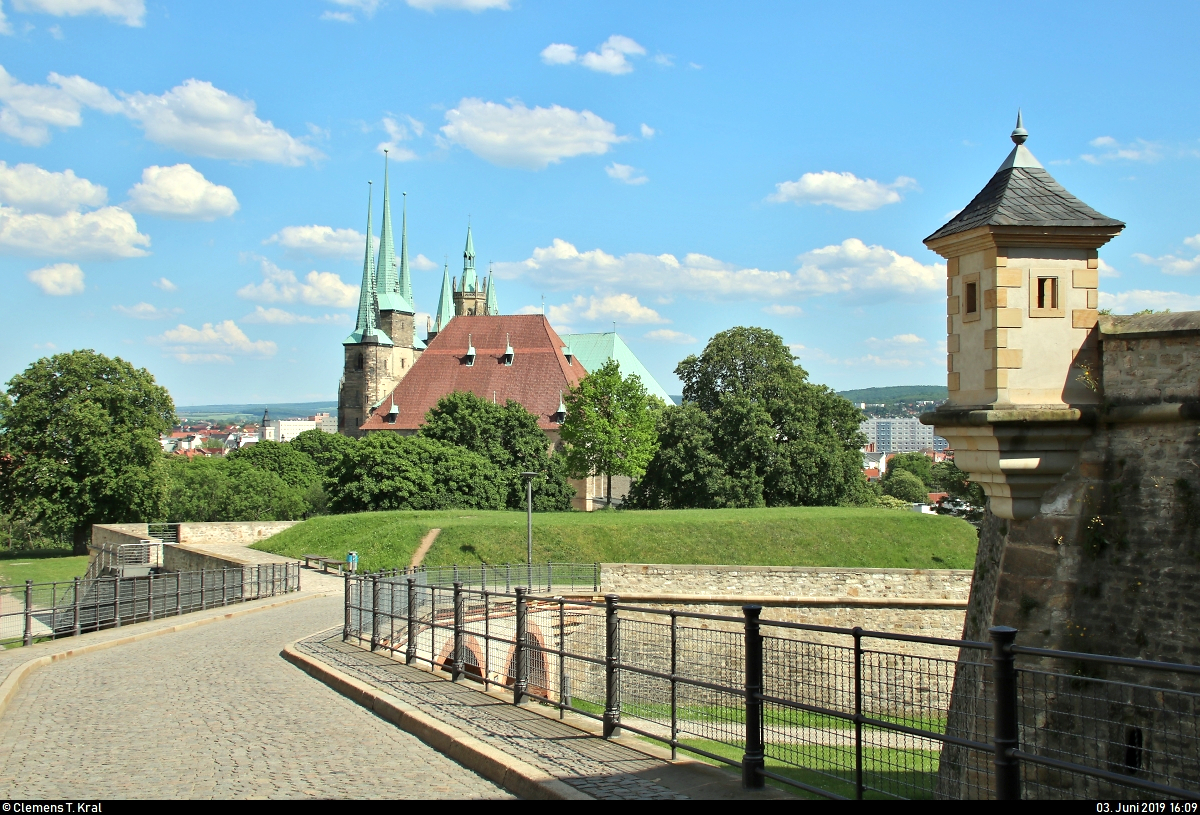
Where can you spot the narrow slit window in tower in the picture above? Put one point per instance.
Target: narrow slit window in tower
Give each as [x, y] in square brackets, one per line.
[971, 296]
[1047, 292]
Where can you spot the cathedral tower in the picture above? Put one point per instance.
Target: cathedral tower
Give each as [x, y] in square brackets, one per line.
[470, 298]
[366, 373]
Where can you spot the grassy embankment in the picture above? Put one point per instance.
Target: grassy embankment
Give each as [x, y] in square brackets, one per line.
[40, 566]
[792, 536]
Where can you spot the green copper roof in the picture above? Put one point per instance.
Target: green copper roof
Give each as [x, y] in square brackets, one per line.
[493, 307]
[445, 309]
[406, 290]
[593, 350]
[470, 282]
[387, 285]
[366, 326]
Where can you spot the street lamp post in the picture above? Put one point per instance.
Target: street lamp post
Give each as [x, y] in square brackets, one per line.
[529, 525]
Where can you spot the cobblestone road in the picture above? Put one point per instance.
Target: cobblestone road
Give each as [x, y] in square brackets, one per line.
[212, 712]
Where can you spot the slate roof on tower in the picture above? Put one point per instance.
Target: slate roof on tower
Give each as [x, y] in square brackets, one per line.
[538, 376]
[1023, 194]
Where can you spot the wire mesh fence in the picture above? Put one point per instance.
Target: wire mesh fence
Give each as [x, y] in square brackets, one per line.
[833, 712]
[39, 611]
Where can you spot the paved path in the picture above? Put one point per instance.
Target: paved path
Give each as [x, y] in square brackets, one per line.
[605, 769]
[211, 712]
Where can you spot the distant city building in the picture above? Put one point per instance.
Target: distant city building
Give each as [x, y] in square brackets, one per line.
[900, 436]
[282, 430]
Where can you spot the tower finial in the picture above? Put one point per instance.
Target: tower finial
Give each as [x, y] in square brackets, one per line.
[1019, 134]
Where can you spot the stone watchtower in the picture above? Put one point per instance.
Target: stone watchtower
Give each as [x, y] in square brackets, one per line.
[1021, 302]
[473, 297]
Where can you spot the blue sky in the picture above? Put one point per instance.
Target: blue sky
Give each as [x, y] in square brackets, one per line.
[184, 184]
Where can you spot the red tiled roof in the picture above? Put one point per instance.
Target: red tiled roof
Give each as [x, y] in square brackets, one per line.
[538, 374]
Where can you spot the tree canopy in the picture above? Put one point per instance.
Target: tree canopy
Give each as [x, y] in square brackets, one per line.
[610, 425]
[907, 487]
[509, 437]
[390, 471]
[80, 434]
[753, 431]
[230, 489]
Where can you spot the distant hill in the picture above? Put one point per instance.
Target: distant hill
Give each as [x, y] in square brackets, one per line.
[239, 414]
[901, 400]
[899, 393]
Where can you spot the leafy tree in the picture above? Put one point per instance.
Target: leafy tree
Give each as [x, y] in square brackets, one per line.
[295, 467]
[768, 436]
[507, 435]
[948, 478]
[325, 449]
[918, 464]
[80, 431]
[610, 425]
[390, 471]
[230, 489]
[907, 487]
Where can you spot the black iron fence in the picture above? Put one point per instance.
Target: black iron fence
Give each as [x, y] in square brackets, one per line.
[834, 712]
[507, 576]
[37, 611]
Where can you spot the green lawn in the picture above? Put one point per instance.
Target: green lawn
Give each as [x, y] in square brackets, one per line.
[792, 536]
[40, 566]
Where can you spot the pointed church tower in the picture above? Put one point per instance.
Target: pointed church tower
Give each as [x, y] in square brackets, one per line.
[368, 352]
[445, 309]
[493, 307]
[1021, 301]
[469, 298]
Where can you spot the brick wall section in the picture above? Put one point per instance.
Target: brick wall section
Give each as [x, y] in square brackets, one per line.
[782, 581]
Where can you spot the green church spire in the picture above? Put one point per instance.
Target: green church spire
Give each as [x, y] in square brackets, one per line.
[405, 281]
[470, 282]
[445, 309]
[387, 287]
[493, 307]
[368, 303]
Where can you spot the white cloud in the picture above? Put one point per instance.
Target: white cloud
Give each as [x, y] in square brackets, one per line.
[58, 280]
[1107, 270]
[396, 134]
[1112, 150]
[529, 138]
[613, 55]
[107, 233]
[365, 7]
[850, 268]
[611, 58]
[557, 53]
[277, 316]
[459, 5]
[841, 190]
[5, 27]
[320, 240]
[622, 308]
[146, 311]
[27, 112]
[647, 131]
[625, 174]
[29, 188]
[665, 60]
[130, 12]
[1174, 264]
[318, 288]
[667, 335]
[212, 343]
[181, 192]
[56, 32]
[1138, 299]
[197, 117]
[900, 341]
[164, 284]
[784, 311]
[422, 263]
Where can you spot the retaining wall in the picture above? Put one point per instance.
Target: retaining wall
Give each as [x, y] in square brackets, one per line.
[242, 534]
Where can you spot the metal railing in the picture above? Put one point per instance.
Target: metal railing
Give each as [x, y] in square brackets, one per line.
[40, 611]
[507, 576]
[167, 533]
[834, 712]
[125, 557]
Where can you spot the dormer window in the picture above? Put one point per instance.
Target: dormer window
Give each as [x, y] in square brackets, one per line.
[470, 357]
[508, 351]
[566, 352]
[559, 416]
